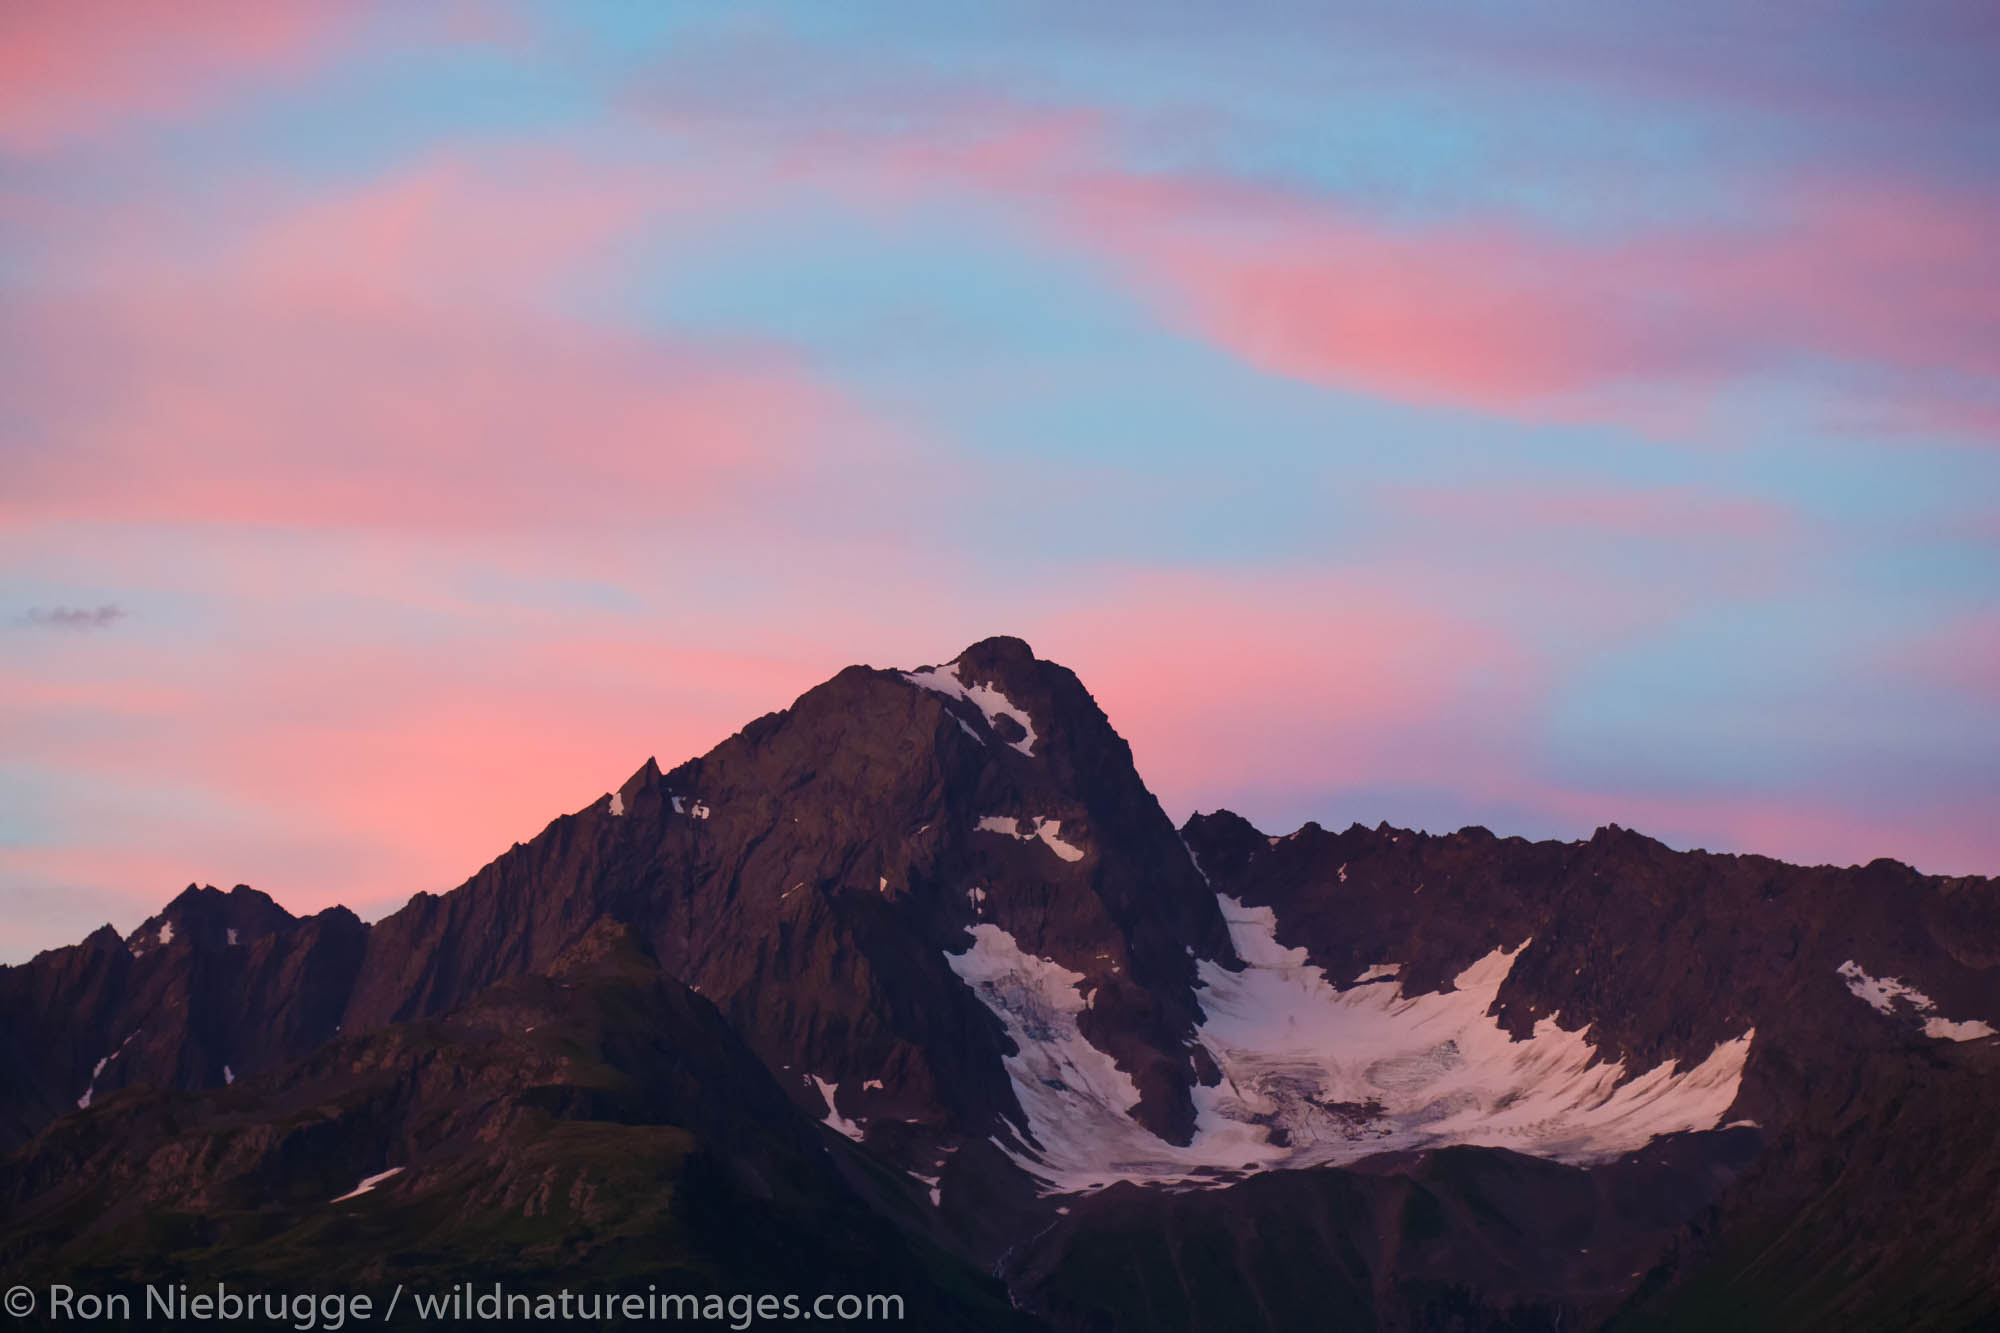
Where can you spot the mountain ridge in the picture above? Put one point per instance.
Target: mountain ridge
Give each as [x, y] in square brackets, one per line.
[945, 915]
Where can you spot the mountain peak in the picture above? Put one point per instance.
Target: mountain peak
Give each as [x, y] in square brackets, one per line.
[1617, 836]
[999, 650]
[204, 914]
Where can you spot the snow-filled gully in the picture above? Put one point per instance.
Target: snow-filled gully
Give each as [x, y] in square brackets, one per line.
[986, 698]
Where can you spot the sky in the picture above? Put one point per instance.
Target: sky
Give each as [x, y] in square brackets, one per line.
[414, 417]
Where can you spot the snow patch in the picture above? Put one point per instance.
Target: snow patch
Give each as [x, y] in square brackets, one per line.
[882, 884]
[679, 808]
[834, 1119]
[699, 810]
[986, 698]
[166, 935]
[872, 1085]
[617, 803]
[83, 1102]
[1341, 1074]
[1380, 972]
[1883, 994]
[1194, 861]
[368, 1184]
[231, 933]
[1944, 1029]
[1048, 830]
[1073, 1095]
[228, 1076]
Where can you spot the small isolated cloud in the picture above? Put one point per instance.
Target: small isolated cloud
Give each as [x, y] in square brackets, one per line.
[77, 618]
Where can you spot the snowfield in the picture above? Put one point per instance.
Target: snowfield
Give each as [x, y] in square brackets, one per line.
[1315, 1076]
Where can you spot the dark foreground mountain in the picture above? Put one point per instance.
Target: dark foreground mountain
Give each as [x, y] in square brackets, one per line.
[596, 1125]
[914, 988]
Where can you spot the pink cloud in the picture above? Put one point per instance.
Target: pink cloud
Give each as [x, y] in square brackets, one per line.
[1875, 271]
[1491, 317]
[72, 69]
[1472, 317]
[1889, 277]
[397, 355]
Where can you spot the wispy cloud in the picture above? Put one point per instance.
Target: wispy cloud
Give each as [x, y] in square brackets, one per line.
[77, 619]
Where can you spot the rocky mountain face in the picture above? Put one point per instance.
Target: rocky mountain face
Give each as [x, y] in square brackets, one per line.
[215, 987]
[918, 974]
[593, 1121]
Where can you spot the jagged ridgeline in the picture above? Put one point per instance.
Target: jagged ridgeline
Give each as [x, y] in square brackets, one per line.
[914, 987]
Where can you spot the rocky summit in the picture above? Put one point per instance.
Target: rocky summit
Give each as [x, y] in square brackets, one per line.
[913, 987]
